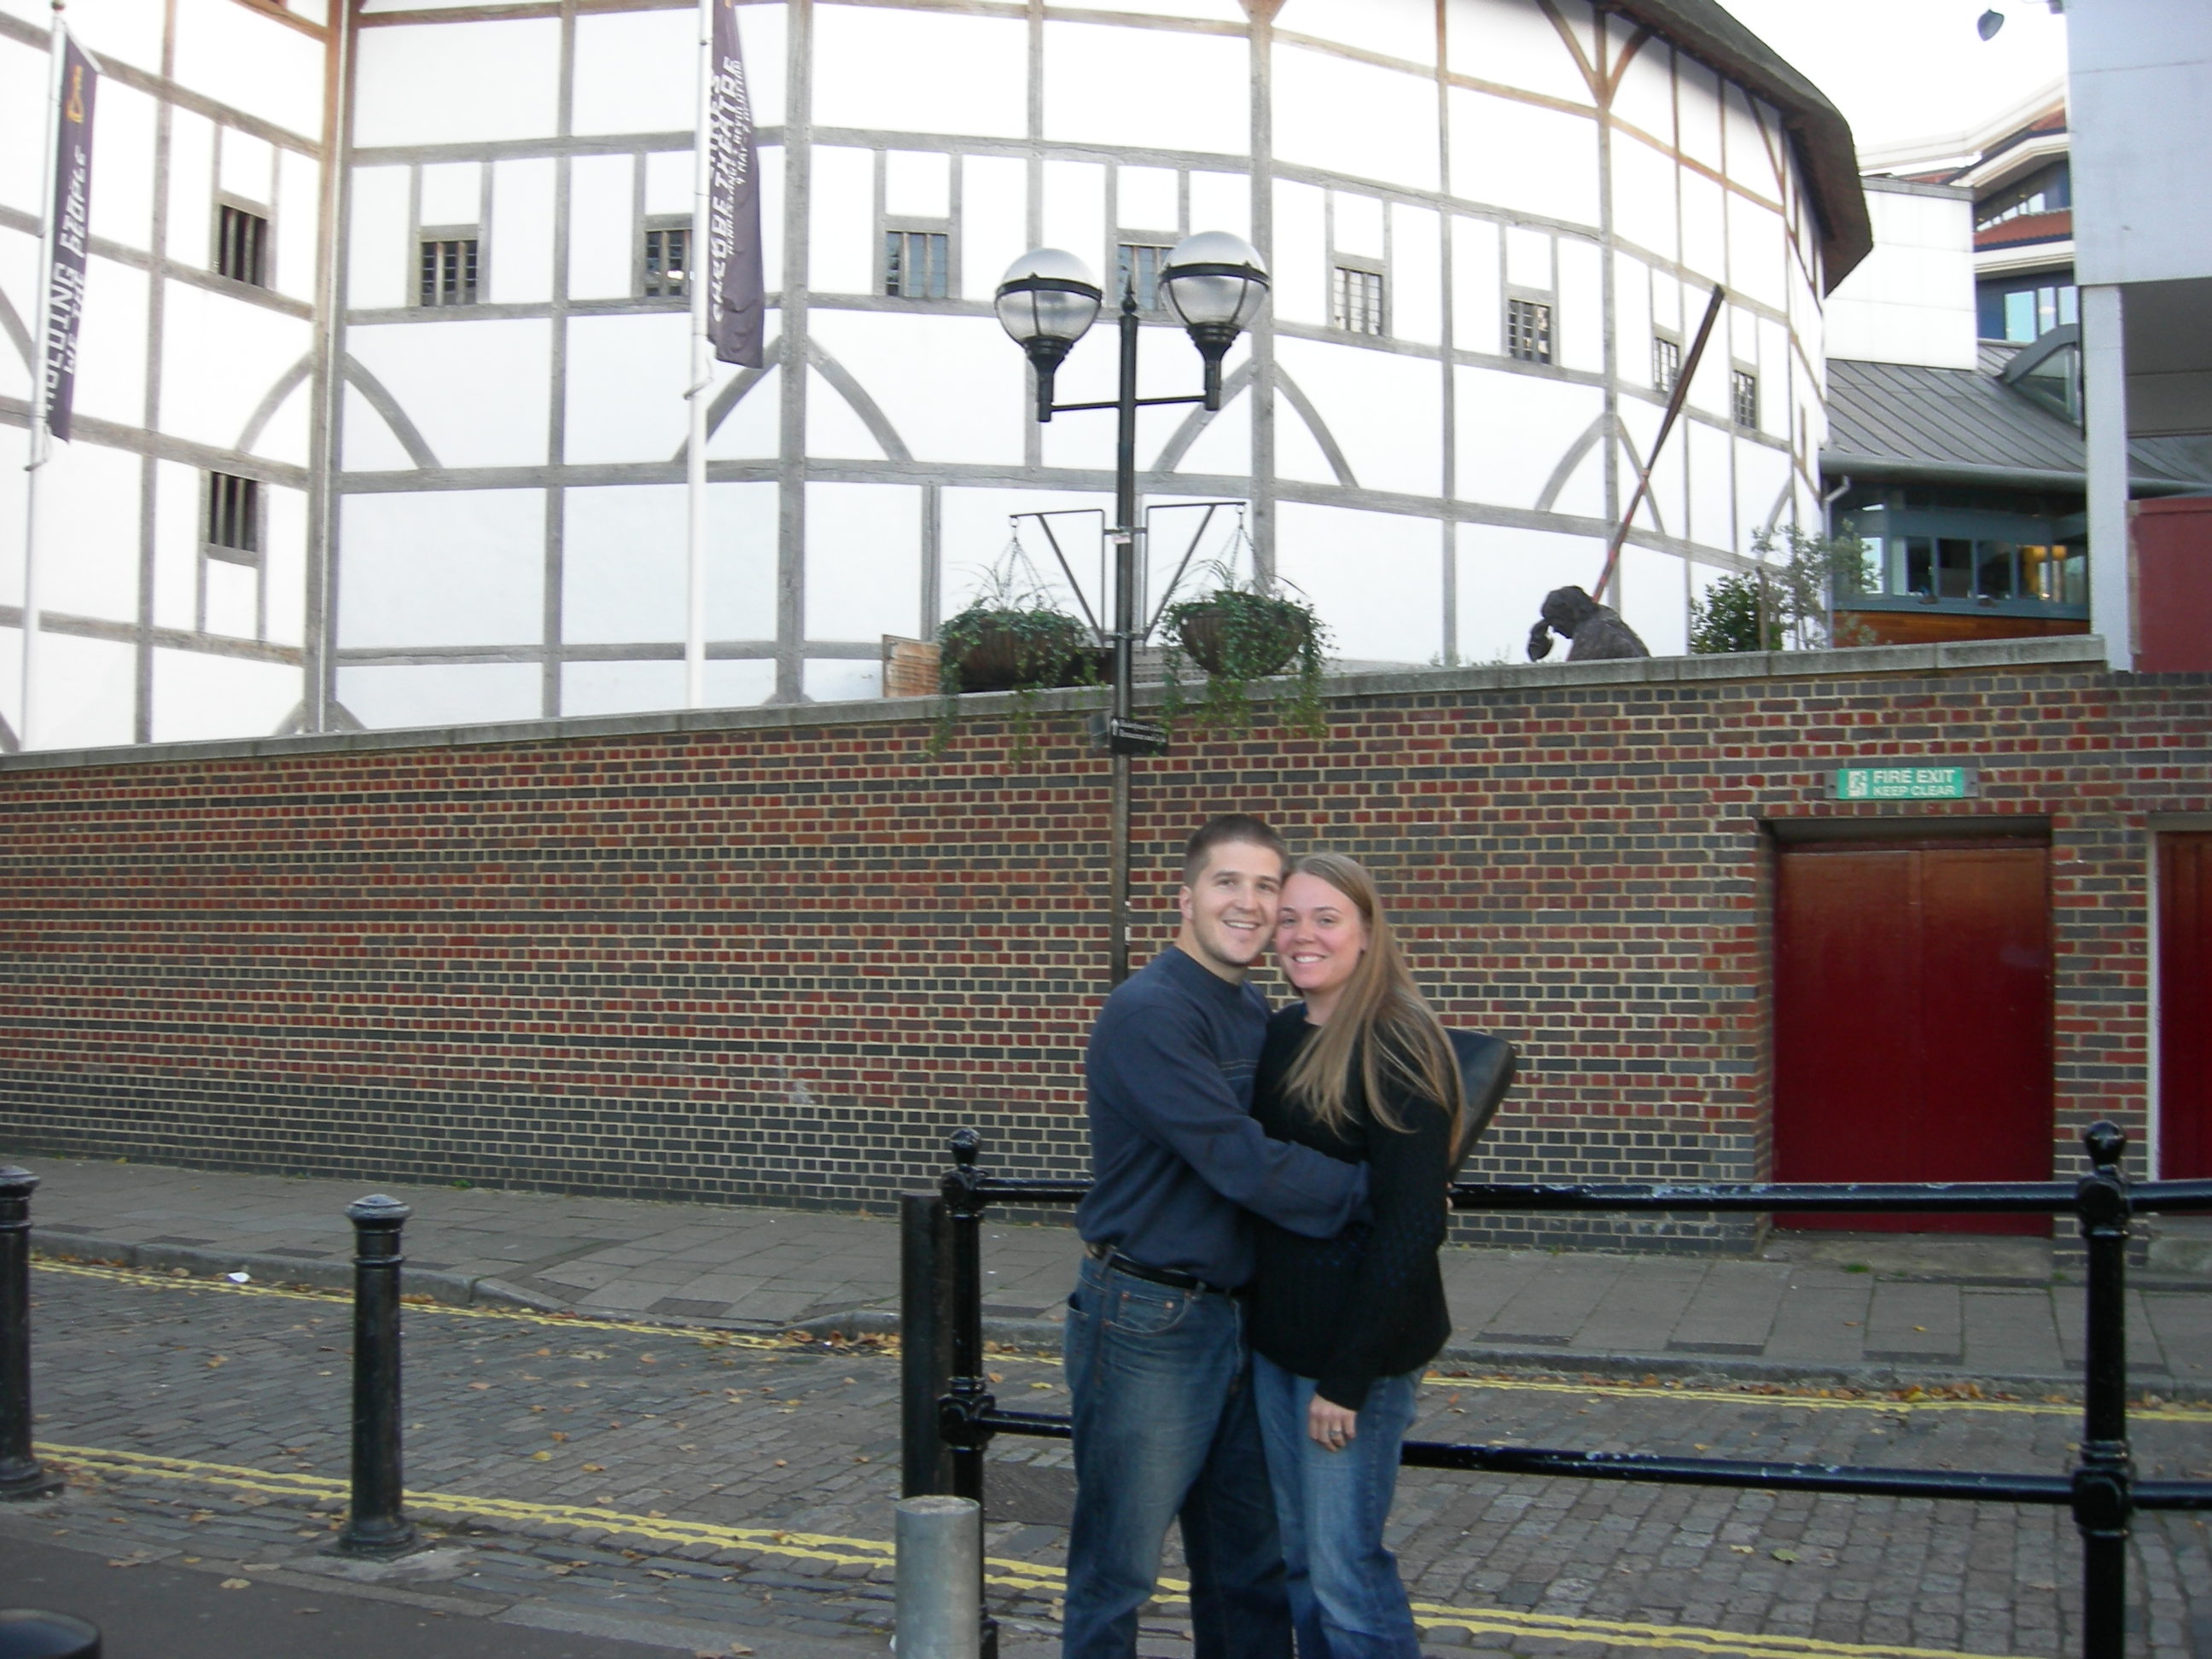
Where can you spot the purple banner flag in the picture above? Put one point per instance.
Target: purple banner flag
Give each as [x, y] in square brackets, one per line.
[733, 235]
[72, 212]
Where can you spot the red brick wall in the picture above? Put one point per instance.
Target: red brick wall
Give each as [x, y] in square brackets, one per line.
[772, 960]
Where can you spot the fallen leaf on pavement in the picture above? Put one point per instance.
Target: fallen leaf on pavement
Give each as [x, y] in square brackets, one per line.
[238, 1583]
[1785, 1555]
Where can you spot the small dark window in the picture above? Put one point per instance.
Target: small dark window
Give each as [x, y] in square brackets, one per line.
[1141, 263]
[234, 517]
[449, 271]
[915, 262]
[1356, 300]
[1743, 398]
[1529, 330]
[667, 263]
[2048, 190]
[241, 245]
[1666, 363]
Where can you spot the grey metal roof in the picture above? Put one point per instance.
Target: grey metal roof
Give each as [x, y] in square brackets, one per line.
[1902, 421]
[1707, 30]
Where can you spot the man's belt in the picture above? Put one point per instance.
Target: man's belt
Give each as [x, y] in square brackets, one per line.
[1108, 1257]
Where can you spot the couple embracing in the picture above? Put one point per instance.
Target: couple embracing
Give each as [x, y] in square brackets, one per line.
[1246, 1339]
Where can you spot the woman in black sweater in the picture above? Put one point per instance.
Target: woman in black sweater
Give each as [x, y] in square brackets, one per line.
[1343, 1326]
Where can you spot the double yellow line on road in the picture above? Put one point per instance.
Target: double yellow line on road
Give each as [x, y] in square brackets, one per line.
[1805, 1399]
[1029, 1576]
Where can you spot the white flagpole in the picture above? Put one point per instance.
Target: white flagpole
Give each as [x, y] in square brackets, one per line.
[42, 443]
[697, 270]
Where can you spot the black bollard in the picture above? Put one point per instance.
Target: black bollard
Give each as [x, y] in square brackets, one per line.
[377, 1524]
[20, 1476]
[28, 1633]
[2104, 1476]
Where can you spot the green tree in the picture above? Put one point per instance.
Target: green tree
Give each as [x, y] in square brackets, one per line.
[1788, 601]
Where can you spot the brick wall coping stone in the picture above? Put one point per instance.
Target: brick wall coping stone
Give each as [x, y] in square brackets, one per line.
[1853, 662]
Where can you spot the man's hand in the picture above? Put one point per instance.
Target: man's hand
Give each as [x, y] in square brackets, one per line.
[1330, 1424]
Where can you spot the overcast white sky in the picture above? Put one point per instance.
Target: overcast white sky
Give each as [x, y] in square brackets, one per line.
[1903, 69]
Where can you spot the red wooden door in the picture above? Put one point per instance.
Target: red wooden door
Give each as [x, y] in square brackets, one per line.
[1912, 1021]
[2185, 1007]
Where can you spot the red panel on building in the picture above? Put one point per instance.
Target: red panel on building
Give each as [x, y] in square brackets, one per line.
[1912, 1021]
[2185, 1007]
[2173, 585]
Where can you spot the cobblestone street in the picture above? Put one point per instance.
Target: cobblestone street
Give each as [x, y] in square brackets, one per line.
[698, 1488]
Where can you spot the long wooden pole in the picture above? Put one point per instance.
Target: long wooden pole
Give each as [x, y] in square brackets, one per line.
[1674, 399]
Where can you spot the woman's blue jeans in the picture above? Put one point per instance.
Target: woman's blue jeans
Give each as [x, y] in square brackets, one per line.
[1165, 1429]
[1345, 1595]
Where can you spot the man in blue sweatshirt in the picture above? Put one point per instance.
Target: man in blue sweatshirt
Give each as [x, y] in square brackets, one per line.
[1164, 1428]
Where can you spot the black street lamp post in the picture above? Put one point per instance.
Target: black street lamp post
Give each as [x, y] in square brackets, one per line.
[1214, 283]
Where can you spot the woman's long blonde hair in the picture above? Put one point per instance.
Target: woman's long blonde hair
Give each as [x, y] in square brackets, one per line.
[1382, 1021]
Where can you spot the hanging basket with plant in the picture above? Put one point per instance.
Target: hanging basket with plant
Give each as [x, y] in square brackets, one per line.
[1011, 638]
[1239, 633]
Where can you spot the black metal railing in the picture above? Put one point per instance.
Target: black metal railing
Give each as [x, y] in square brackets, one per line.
[951, 1416]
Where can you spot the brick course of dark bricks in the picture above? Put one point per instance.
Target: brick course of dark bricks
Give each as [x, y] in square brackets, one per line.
[776, 957]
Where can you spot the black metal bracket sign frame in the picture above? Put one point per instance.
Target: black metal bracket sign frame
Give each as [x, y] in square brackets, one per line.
[949, 1416]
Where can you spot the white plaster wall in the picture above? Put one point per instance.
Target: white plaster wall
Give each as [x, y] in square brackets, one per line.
[1300, 293]
[111, 359]
[1374, 577]
[837, 679]
[284, 567]
[1513, 43]
[85, 691]
[123, 165]
[1221, 201]
[23, 80]
[456, 83]
[1578, 325]
[993, 227]
[637, 71]
[1145, 89]
[1416, 303]
[1355, 118]
[625, 384]
[1523, 157]
[1145, 199]
[1644, 98]
[220, 357]
[863, 560]
[237, 57]
[520, 244]
[842, 252]
[199, 696]
[953, 387]
[439, 694]
[1911, 301]
[294, 257]
[1075, 214]
[623, 564]
[1349, 384]
[1514, 429]
[602, 210]
[118, 31]
[191, 187]
[377, 253]
[246, 166]
[91, 570]
[1503, 573]
[1643, 196]
[630, 687]
[1391, 28]
[1478, 307]
[442, 568]
[865, 60]
[477, 391]
[1654, 599]
[176, 544]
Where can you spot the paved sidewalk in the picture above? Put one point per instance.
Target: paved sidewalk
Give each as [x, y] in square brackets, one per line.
[1863, 1308]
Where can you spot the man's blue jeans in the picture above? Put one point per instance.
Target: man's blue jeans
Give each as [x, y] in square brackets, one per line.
[1345, 1594]
[1165, 1429]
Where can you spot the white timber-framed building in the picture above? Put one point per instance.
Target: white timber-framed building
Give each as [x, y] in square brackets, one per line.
[380, 412]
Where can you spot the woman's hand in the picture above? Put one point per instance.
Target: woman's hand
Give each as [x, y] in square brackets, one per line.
[1331, 1425]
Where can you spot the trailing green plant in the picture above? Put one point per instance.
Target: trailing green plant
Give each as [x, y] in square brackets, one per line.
[1238, 633]
[1785, 602]
[1023, 643]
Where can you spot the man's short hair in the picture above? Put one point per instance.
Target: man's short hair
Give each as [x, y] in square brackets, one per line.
[1221, 828]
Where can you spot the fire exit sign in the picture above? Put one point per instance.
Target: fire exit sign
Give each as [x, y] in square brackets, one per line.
[1905, 782]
